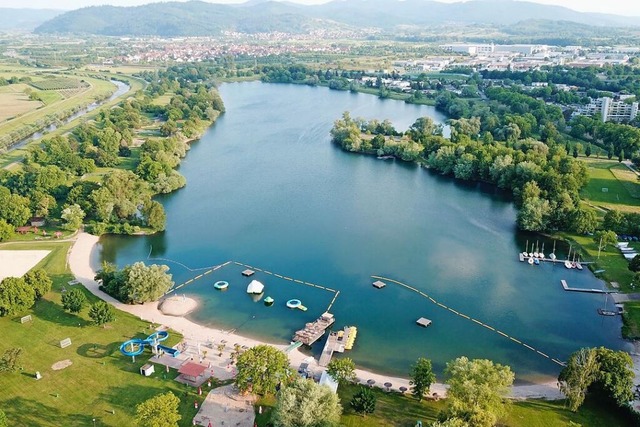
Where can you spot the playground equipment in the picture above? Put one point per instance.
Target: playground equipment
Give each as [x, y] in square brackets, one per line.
[136, 346]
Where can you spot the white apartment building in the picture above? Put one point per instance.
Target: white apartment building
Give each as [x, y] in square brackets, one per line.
[610, 110]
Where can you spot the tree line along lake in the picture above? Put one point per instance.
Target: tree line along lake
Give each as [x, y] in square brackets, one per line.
[266, 187]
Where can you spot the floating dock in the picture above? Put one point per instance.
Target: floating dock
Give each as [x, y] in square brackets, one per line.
[379, 284]
[424, 322]
[522, 257]
[312, 332]
[566, 287]
[248, 273]
[338, 342]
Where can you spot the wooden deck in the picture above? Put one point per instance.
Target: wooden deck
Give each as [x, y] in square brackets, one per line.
[424, 322]
[335, 343]
[312, 332]
[379, 284]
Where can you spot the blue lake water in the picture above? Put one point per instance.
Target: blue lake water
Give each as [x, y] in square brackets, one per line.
[266, 187]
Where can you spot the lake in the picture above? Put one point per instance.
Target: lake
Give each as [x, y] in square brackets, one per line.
[266, 187]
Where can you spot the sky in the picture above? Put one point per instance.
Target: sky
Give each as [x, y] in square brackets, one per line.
[620, 7]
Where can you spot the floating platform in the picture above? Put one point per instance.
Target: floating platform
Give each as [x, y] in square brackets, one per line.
[604, 312]
[424, 322]
[248, 273]
[379, 284]
[312, 332]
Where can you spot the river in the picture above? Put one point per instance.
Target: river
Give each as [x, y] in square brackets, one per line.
[267, 187]
[121, 89]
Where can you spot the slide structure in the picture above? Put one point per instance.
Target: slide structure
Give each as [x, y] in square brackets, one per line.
[136, 346]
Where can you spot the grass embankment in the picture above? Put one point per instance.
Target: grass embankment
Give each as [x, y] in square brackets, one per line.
[395, 409]
[100, 384]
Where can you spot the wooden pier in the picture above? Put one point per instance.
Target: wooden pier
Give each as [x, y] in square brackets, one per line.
[312, 332]
[336, 342]
[566, 287]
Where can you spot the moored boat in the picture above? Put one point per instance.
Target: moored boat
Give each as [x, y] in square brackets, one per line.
[530, 261]
[567, 264]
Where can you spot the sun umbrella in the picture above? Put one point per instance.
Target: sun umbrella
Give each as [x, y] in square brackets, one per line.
[403, 389]
[371, 382]
[388, 385]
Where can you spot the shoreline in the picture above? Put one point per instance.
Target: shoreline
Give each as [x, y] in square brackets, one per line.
[84, 260]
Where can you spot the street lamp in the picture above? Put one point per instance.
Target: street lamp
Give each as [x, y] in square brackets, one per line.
[94, 422]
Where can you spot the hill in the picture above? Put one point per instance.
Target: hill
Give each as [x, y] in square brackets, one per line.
[196, 18]
[25, 19]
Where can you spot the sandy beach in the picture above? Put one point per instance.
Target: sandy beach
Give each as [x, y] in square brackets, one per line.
[17, 263]
[84, 260]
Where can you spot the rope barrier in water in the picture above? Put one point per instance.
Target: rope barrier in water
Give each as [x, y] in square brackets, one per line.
[240, 264]
[411, 288]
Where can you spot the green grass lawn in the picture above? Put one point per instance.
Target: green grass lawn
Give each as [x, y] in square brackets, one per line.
[397, 410]
[100, 383]
[622, 188]
[631, 320]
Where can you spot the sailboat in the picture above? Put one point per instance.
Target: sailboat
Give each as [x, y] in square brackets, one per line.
[604, 311]
[567, 263]
[541, 253]
[530, 260]
[535, 254]
[525, 253]
[578, 265]
[553, 254]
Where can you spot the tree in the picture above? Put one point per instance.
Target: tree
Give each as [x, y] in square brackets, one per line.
[577, 376]
[260, 369]
[342, 370]
[634, 264]
[3, 419]
[147, 283]
[364, 401]
[39, 280]
[159, 411]
[6, 231]
[153, 213]
[600, 370]
[621, 156]
[587, 150]
[15, 296]
[303, 403]
[73, 300]
[421, 377]
[608, 238]
[476, 391]
[10, 359]
[615, 375]
[101, 312]
[73, 215]
[585, 220]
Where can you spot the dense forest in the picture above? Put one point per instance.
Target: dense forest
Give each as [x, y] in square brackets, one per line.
[543, 178]
[93, 176]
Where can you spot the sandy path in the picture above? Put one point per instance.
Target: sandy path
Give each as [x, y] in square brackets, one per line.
[84, 259]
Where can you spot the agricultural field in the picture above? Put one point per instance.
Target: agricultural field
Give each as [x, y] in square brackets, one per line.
[15, 102]
[57, 83]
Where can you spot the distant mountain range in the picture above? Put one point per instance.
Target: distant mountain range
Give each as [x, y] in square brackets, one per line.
[196, 18]
[25, 19]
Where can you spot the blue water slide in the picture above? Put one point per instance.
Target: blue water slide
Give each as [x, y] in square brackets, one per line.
[133, 347]
[136, 346]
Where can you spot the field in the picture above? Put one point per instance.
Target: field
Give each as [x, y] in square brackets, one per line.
[58, 83]
[396, 410]
[100, 383]
[622, 190]
[15, 102]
